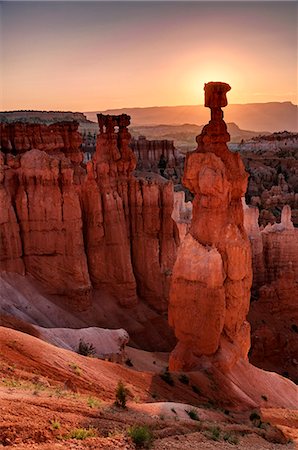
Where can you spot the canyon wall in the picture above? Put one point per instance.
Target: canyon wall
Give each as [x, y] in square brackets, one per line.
[210, 290]
[36, 116]
[273, 312]
[149, 152]
[77, 226]
[19, 137]
[273, 181]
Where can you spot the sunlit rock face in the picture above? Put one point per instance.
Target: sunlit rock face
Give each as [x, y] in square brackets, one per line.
[76, 227]
[182, 213]
[134, 254]
[210, 290]
[44, 227]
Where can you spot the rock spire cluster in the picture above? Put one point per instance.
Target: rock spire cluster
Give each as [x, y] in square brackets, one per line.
[78, 227]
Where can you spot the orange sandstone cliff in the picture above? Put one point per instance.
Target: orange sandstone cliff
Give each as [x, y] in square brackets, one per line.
[19, 137]
[76, 227]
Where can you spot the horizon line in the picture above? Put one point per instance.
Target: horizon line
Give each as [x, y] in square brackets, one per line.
[139, 107]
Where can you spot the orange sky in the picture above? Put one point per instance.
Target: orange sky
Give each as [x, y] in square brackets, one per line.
[93, 56]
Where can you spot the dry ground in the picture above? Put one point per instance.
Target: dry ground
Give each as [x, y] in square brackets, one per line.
[48, 393]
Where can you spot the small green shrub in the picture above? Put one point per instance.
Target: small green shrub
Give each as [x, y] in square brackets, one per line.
[55, 424]
[81, 433]
[183, 379]
[254, 416]
[85, 348]
[11, 382]
[93, 402]
[121, 393]
[140, 435]
[192, 414]
[264, 397]
[167, 377]
[256, 419]
[231, 438]
[128, 362]
[213, 433]
[76, 369]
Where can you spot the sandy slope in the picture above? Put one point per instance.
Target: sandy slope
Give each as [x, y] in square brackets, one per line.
[24, 298]
[106, 343]
[42, 384]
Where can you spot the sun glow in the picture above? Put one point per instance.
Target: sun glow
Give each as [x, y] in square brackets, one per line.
[111, 60]
[199, 77]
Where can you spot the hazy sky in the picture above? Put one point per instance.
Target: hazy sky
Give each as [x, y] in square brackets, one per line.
[87, 56]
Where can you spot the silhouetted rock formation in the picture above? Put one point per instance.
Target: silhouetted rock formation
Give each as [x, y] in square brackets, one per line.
[210, 291]
[74, 226]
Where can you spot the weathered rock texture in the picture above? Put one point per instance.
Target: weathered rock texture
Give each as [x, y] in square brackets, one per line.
[75, 226]
[272, 162]
[182, 213]
[37, 116]
[19, 137]
[149, 152]
[45, 209]
[210, 290]
[273, 313]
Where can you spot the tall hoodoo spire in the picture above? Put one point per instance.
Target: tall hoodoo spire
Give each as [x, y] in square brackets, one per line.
[211, 282]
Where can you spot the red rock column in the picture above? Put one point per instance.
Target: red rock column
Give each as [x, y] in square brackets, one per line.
[49, 213]
[106, 210]
[210, 290]
[10, 240]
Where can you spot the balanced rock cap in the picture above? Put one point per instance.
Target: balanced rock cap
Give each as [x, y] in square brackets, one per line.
[215, 94]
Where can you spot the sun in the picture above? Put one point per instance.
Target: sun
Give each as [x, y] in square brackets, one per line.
[201, 75]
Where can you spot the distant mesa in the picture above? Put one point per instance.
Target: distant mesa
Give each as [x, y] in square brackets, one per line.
[273, 116]
[41, 116]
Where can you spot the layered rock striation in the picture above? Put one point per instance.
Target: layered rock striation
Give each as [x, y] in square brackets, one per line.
[19, 137]
[210, 290]
[77, 226]
[151, 153]
[42, 193]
